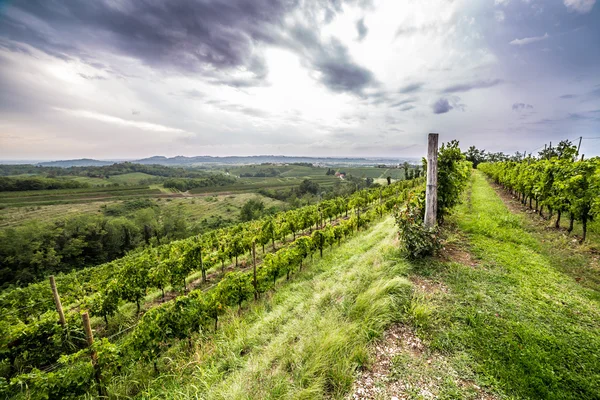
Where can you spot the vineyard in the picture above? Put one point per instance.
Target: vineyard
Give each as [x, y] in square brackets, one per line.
[287, 305]
[44, 359]
[555, 185]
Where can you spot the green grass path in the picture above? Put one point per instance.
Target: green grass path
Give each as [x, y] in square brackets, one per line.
[527, 327]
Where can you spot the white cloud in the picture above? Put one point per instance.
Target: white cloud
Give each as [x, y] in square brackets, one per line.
[580, 6]
[499, 15]
[500, 2]
[146, 126]
[529, 40]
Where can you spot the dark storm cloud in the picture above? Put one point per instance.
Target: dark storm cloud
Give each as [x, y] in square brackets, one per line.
[465, 87]
[338, 71]
[341, 75]
[362, 29]
[186, 34]
[413, 87]
[521, 106]
[441, 106]
[190, 36]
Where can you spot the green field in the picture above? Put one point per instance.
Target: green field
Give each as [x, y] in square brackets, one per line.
[133, 178]
[254, 184]
[64, 196]
[195, 208]
[373, 172]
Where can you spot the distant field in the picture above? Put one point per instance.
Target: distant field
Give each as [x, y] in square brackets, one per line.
[225, 206]
[254, 184]
[133, 178]
[195, 208]
[47, 197]
[14, 216]
[373, 172]
[90, 181]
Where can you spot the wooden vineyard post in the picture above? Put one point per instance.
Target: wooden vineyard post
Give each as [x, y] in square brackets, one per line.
[202, 266]
[254, 269]
[59, 309]
[89, 337]
[431, 192]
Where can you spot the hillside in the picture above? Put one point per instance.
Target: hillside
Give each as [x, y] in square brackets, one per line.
[499, 315]
[329, 301]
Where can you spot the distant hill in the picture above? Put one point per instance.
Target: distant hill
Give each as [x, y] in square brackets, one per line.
[82, 162]
[182, 160]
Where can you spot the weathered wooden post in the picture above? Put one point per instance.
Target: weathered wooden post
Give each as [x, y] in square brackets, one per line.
[254, 268]
[59, 309]
[431, 192]
[89, 337]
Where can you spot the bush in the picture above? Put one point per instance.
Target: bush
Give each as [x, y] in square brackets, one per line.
[417, 240]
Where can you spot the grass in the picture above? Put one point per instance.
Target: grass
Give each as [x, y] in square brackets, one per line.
[15, 216]
[133, 178]
[307, 340]
[218, 206]
[196, 209]
[528, 327]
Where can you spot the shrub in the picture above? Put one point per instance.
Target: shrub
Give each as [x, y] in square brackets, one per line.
[417, 240]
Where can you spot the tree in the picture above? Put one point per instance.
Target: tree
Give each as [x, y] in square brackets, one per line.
[252, 209]
[308, 186]
[475, 155]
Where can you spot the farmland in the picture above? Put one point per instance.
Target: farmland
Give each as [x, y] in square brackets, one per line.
[195, 209]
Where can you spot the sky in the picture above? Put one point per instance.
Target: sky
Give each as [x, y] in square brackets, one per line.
[117, 79]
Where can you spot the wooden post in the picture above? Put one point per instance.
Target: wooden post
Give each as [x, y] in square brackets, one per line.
[59, 309]
[89, 337]
[254, 268]
[202, 266]
[578, 146]
[431, 192]
[87, 327]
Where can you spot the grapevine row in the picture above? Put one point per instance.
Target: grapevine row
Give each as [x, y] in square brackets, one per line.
[197, 311]
[555, 186]
[130, 278]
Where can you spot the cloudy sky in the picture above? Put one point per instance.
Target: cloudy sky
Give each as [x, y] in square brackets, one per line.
[135, 78]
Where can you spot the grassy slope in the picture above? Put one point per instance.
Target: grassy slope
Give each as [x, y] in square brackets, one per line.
[307, 340]
[527, 326]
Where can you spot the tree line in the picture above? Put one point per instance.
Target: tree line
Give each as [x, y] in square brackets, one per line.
[102, 171]
[14, 184]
